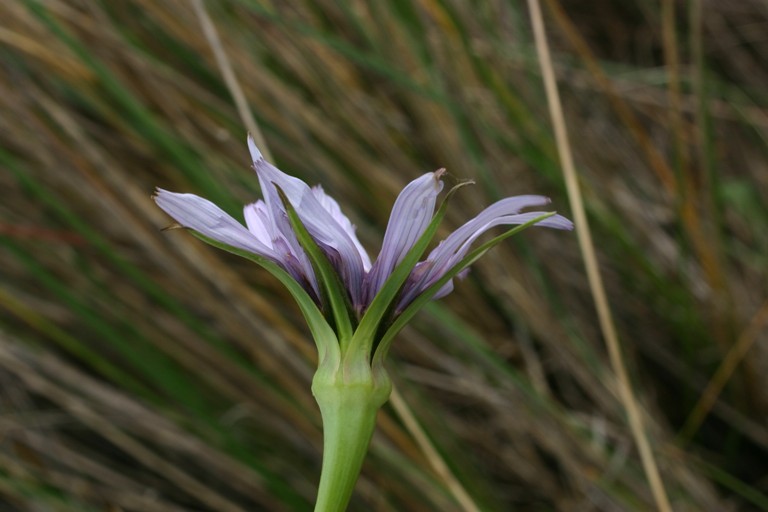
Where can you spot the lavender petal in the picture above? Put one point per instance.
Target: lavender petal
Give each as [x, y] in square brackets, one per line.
[451, 250]
[334, 239]
[263, 225]
[410, 216]
[332, 207]
[206, 218]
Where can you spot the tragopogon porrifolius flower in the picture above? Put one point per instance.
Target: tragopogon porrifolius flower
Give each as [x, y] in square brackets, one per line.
[353, 307]
[268, 232]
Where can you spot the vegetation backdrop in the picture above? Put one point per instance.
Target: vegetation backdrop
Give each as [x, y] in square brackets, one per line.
[142, 370]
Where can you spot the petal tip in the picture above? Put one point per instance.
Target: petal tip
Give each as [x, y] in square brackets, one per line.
[255, 153]
[563, 223]
[157, 193]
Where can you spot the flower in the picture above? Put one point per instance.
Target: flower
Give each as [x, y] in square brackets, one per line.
[353, 307]
[268, 232]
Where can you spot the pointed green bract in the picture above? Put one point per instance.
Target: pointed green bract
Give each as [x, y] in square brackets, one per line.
[325, 338]
[422, 299]
[363, 339]
[326, 274]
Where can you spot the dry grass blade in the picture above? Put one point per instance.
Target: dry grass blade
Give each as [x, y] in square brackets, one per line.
[725, 371]
[590, 262]
[243, 110]
[435, 460]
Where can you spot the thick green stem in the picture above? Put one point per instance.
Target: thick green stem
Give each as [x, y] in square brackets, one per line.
[349, 418]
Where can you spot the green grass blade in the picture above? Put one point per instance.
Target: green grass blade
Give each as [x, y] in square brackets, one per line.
[324, 337]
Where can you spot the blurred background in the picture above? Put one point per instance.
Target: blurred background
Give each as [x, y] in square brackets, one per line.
[142, 370]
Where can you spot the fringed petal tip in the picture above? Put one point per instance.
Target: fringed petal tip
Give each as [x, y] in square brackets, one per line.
[157, 192]
[162, 196]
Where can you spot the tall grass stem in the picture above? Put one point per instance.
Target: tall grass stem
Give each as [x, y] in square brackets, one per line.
[590, 261]
[435, 460]
[214, 41]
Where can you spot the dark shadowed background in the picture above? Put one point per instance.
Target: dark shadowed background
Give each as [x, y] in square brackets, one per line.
[142, 370]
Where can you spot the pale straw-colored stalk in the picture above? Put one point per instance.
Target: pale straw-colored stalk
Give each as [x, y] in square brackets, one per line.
[230, 79]
[586, 246]
[433, 456]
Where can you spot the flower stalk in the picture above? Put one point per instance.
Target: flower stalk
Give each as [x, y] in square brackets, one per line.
[348, 410]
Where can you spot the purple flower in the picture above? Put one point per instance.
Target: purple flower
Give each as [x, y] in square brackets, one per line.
[269, 233]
